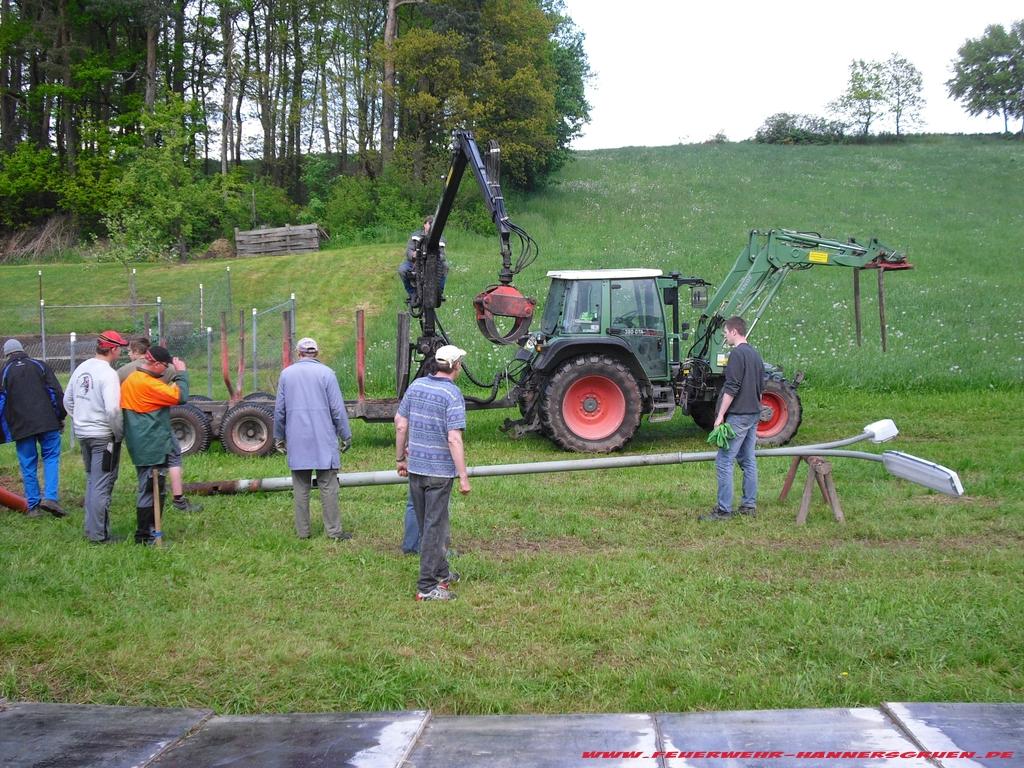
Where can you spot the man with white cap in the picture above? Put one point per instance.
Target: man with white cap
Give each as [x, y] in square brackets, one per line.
[33, 413]
[309, 423]
[93, 399]
[429, 451]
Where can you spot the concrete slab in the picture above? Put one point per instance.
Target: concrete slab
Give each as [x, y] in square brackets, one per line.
[537, 741]
[359, 740]
[784, 738]
[74, 736]
[988, 730]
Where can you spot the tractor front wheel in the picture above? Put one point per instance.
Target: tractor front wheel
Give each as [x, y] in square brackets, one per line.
[591, 404]
[781, 412]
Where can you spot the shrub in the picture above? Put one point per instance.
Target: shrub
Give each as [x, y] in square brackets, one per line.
[786, 128]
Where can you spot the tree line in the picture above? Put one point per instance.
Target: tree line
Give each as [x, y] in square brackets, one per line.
[137, 117]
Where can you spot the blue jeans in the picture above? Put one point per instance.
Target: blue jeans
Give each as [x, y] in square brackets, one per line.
[405, 272]
[411, 537]
[740, 450]
[28, 461]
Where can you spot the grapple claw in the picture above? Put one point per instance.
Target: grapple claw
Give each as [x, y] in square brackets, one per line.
[503, 301]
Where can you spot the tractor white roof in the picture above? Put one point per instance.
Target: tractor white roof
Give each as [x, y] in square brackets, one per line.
[603, 274]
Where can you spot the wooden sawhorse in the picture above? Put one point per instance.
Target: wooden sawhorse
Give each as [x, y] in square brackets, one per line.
[818, 471]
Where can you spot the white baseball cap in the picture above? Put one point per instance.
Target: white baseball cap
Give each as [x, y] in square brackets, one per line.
[307, 344]
[449, 354]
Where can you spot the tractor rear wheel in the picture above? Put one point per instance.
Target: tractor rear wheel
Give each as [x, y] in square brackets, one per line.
[248, 429]
[781, 412]
[191, 428]
[591, 404]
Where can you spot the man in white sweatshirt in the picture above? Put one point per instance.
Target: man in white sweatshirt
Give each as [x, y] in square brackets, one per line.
[93, 400]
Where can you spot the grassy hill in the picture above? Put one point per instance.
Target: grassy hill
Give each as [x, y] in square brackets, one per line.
[595, 591]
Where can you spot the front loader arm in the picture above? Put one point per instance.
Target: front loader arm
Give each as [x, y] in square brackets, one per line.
[763, 266]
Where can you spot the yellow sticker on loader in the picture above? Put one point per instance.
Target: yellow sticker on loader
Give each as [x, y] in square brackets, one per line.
[818, 257]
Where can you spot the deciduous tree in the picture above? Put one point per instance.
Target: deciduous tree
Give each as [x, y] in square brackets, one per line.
[903, 87]
[988, 74]
[863, 102]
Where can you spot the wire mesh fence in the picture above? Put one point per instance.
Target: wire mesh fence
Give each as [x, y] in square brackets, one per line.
[189, 325]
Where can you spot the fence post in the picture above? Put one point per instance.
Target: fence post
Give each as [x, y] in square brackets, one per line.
[159, 321]
[856, 303]
[42, 324]
[72, 338]
[255, 321]
[209, 362]
[228, 270]
[286, 340]
[132, 298]
[292, 317]
[202, 307]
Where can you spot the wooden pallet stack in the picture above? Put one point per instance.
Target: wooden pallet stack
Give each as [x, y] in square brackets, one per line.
[303, 238]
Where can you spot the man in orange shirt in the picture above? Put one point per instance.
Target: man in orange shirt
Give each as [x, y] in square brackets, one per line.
[147, 401]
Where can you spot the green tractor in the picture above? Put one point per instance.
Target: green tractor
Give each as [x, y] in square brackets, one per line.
[613, 345]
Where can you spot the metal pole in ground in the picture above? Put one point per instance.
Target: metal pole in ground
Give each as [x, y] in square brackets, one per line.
[159, 321]
[132, 298]
[881, 306]
[293, 316]
[255, 321]
[228, 271]
[856, 303]
[72, 338]
[202, 307]
[209, 362]
[42, 324]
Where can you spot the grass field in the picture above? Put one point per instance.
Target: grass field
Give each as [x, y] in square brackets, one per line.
[600, 591]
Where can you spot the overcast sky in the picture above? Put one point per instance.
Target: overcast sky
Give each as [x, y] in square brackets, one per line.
[671, 71]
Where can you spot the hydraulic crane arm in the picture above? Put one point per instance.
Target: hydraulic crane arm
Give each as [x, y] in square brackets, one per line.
[764, 264]
[501, 300]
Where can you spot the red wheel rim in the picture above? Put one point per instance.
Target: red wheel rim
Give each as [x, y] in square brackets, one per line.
[594, 407]
[779, 415]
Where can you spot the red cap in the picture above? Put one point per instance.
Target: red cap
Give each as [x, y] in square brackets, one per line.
[111, 339]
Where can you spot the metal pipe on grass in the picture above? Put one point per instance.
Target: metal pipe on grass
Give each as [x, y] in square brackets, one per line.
[907, 467]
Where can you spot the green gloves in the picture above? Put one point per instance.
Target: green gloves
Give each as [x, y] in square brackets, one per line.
[721, 435]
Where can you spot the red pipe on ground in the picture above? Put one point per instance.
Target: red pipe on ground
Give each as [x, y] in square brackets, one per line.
[13, 501]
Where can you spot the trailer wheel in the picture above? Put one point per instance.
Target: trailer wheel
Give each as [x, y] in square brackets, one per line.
[258, 396]
[248, 429]
[591, 404]
[200, 398]
[191, 428]
[781, 412]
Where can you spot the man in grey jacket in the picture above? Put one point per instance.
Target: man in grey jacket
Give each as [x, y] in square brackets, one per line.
[309, 423]
[93, 399]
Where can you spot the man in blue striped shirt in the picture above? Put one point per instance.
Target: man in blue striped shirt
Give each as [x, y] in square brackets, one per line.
[429, 451]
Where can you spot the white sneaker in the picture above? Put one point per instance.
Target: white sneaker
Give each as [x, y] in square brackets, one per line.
[437, 593]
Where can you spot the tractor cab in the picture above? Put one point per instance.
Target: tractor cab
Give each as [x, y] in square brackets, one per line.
[616, 308]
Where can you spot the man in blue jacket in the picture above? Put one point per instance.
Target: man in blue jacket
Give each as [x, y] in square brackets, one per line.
[33, 414]
[309, 423]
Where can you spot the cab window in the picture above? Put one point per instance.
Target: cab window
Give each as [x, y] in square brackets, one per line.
[582, 312]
